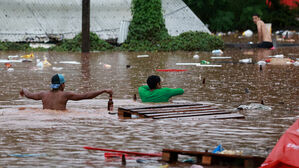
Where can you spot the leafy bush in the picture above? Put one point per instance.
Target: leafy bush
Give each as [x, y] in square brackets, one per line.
[198, 41]
[147, 32]
[148, 22]
[4, 46]
[96, 44]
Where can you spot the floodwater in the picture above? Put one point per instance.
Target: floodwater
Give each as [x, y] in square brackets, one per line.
[57, 138]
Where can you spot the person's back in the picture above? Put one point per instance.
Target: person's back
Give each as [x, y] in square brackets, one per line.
[266, 35]
[153, 92]
[56, 99]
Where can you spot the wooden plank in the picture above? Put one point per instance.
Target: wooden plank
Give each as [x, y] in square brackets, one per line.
[188, 115]
[171, 109]
[180, 110]
[196, 113]
[196, 153]
[159, 106]
[222, 116]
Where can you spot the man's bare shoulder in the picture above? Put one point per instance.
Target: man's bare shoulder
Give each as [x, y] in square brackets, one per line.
[260, 22]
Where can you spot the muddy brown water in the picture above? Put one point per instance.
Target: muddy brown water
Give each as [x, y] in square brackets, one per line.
[59, 137]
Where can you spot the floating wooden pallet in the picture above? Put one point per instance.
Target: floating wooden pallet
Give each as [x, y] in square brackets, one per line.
[213, 159]
[176, 111]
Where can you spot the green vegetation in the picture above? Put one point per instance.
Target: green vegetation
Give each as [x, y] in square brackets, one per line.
[225, 15]
[5, 46]
[147, 32]
[96, 44]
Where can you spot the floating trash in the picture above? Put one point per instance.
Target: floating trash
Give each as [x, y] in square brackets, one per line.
[8, 65]
[277, 56]
[187, 63]
[261, 63]
[70, 62]
[39, 64]
[254, 106]
[57, 68]
[190, 160]
[31, 56]
[218, 149]
[199, 65]
[142, 56]
[246, 61]
[10, 70]
[247, 33]
[8, 61]
[13, 57]
[46, 63]
[204, 62]
[107, 66]
[196, 166]
[232, 152]
[196, 56]
[217, 52]
[221, 57]
[171, 70]
[28, 155]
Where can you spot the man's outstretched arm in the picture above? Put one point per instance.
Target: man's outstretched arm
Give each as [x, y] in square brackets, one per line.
[34, 96]
[89, 95]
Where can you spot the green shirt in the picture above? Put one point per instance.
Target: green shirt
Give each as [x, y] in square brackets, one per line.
[158, 95]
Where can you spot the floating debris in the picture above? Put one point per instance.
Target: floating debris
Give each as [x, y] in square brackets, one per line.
[187, 63]
[142, 56]
[70, 62]
[107, 66]
[28, 155]
[199, 65]
[217, 52]
[247, 33]
[31, 56]
[246, 61]
[221, 57]
[13, 57]
[254, 106]
[277, 56]
[261, 63]
[196, 56]
[57, 68]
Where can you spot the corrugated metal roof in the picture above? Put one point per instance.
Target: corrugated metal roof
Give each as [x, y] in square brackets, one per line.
[36, 20]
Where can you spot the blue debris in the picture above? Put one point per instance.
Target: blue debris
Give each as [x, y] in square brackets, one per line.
[219, 148]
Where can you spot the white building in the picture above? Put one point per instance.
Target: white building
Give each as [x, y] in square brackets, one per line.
[39, 20]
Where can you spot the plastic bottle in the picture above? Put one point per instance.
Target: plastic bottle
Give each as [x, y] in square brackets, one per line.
[135, 97]
[110, 104]
[204, 62]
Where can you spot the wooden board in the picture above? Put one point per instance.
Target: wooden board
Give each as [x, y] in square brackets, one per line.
[176, 111]
[213, 159]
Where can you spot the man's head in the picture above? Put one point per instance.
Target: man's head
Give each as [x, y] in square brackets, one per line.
[256, 18]
[153, 82]
[58, 82]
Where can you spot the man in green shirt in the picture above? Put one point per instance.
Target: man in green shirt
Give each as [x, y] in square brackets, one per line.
[153, 92]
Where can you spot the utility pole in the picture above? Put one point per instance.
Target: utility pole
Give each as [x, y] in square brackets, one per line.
[85, 26]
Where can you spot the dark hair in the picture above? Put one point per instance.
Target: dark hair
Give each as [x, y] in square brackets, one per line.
[152, 81]
[255, 14]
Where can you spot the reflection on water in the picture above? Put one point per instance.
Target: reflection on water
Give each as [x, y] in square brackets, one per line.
[27, 129]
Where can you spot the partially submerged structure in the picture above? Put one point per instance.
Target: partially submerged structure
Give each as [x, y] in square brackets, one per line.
[41, 21]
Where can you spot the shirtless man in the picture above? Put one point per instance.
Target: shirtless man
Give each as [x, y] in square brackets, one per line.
[56, 99]
[264, 36]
